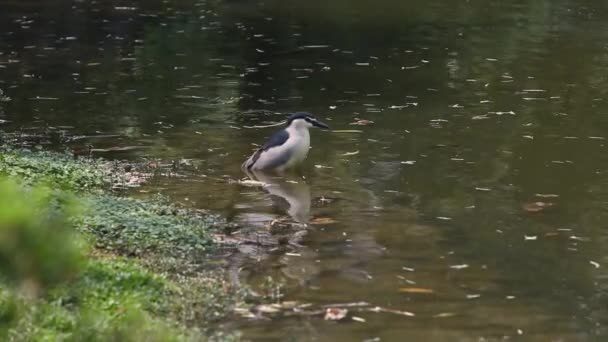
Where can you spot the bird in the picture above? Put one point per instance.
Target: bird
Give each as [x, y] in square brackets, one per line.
[286, 148]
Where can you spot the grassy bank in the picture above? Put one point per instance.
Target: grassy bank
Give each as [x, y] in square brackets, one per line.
[80, 262]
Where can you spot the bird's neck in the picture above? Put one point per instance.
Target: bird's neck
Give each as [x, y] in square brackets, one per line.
[298, 130]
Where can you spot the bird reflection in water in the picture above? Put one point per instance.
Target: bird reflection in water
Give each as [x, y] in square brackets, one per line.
[288, 192]
[290, 195]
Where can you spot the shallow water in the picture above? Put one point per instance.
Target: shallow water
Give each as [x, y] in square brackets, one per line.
[475, 112]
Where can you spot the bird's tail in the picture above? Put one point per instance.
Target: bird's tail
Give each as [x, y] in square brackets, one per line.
[246, 164]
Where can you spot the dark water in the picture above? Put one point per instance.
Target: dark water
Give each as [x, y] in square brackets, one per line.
[480, 109]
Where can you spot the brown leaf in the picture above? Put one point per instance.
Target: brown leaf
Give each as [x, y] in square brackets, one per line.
[416, 290]
[322, 220]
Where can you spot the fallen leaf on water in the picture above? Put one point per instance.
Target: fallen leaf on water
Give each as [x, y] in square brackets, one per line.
[346, 305]
[244, 312]
[263, 308]
[346, 131]
[335, 314]
[396, 312]
[459, 267]
[546, 195]
[534, 207]
[116, 149]
[361, 122]
[445, 315]
[249, 182]
[322, 220]
[290, 304]
[579, 238]
[420, 290]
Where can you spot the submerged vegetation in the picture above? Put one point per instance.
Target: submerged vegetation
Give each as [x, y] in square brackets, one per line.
[78, 262]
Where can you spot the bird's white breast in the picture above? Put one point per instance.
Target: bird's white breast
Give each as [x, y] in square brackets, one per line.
[298, 145]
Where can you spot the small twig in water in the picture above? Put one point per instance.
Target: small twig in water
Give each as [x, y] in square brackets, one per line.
[266, 126]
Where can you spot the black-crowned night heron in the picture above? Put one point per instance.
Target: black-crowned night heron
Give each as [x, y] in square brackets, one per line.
[287, 147]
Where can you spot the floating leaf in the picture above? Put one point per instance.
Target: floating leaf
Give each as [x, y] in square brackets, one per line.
[546, 195]
[335, 314]
[362, 122]
[117, 149]
[459, 267]
[263, 308]
[322, 220]
[358, 319]
[249, 182]
[534, 207]
[445, 315]
[396, 312]
[347, 131]
[420, 290]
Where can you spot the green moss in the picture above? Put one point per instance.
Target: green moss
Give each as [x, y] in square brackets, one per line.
[58, 170]
[141, 227]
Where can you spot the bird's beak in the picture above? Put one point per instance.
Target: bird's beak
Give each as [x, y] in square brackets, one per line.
[319, 124]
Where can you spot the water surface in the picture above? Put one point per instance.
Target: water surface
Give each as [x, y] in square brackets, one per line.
[461, 116]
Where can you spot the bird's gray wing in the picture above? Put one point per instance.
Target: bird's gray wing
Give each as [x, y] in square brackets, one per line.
[277, 139]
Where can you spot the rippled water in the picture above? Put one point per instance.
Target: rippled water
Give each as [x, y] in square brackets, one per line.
[469, 188]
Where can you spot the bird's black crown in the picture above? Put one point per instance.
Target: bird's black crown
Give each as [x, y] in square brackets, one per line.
[299, 115]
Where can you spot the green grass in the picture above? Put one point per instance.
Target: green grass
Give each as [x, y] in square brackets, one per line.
[60, 170]
[80, 263]
[110, 299]
[115, 299]
[136, 227]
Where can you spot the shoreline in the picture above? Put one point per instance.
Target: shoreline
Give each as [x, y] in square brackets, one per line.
[143, 259]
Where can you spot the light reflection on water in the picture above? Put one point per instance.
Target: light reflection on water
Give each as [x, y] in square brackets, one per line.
[455, 118]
